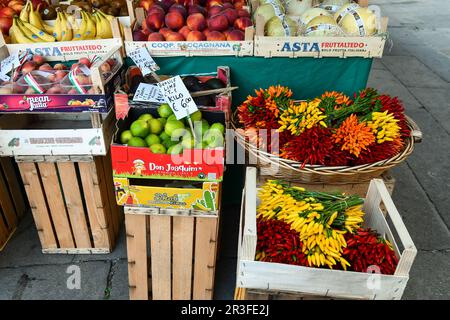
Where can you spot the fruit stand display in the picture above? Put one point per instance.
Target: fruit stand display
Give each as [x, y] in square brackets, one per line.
[168, 178]
[13, 205]
[65, 37]
[333, 245]
[184, 29]
[56, 120]
[298, 30]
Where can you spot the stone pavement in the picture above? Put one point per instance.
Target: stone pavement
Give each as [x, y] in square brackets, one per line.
[416, 69]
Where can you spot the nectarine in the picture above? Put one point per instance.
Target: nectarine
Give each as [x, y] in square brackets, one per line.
[180, 9]
[174, 36]
[216, 36]
[242, 23]
[196, 22]
[155, 21]
[236, 35]
[243, 13]
[185, 31]
[174, 21]
[195, 8]
[155, 36]
[218, 23]
[231, 15]
[195, 36]
[214, 10]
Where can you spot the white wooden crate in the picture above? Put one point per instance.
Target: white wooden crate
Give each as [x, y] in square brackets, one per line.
[319, 47]
[257, 275]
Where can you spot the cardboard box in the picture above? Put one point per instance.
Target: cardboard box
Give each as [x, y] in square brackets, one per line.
[187, 48]
[101, 102]
[141, 163]
[202, 196]
[55, 134]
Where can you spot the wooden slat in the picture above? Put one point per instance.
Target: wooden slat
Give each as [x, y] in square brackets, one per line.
[4, 232]
[9, 212]
[116, 211]
[136, 232]
[321, 282]
[249, 231]
[14, 186]
[160, 239]
[97, 221]
[38, 206]
[205, 258]
[74, 204]
[183, 238]
[102, 198]
[55, 201]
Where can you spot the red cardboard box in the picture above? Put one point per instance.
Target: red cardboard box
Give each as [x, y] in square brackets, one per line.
[141, 163]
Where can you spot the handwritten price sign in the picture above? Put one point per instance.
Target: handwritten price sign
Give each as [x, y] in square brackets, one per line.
[178, 97]
[148, 93]
[143, 60]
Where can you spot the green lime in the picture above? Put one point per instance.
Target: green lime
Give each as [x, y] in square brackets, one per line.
[145, 116]
[175, 149]
[152, 139]
[125, 136]
[156, 126]
[165, 111]
[218, 126]
[140, 128]
[172, 125]
[158, 148]
[136, 142]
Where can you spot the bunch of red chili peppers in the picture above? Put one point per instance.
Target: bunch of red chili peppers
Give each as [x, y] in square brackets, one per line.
[367, 248]
[277, 242]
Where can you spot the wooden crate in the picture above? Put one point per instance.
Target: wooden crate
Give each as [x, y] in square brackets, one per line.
[349, 188]
[13, 205]
[171, 257]
[274, 277]
[72, 202]
[318, 47]
[184, 48]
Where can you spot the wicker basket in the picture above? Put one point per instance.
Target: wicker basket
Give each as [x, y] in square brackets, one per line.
[290, 170]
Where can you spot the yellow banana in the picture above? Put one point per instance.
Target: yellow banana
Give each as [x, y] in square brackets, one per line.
[79, 34]
[105, 31]
[57, 29]
[67, 33]
[90, 26]
[19, 35]
[41, 34]
[25, 13]
[27, 32]
[34, 18]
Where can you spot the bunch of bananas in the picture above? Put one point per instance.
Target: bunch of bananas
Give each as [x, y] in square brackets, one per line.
[320, 218]
[30, 28]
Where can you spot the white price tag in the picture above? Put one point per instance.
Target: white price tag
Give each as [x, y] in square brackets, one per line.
[178, 97]
[143, 60]
[7, 65]
[148, 93]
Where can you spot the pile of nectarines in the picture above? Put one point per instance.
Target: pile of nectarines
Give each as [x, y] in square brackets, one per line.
[38, 76]
[193, 20]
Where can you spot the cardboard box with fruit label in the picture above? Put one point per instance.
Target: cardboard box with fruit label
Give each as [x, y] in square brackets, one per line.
[36, 85]
[168, 151]
[195, 198]
[167, 28]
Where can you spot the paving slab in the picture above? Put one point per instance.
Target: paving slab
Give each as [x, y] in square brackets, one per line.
[50, 282]
[24, 248]
[426, 227]
[413, 73]
[9, 283]
[437, 102]
[429, 277]
[119, 251]
[385, 82]
[119, 281]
